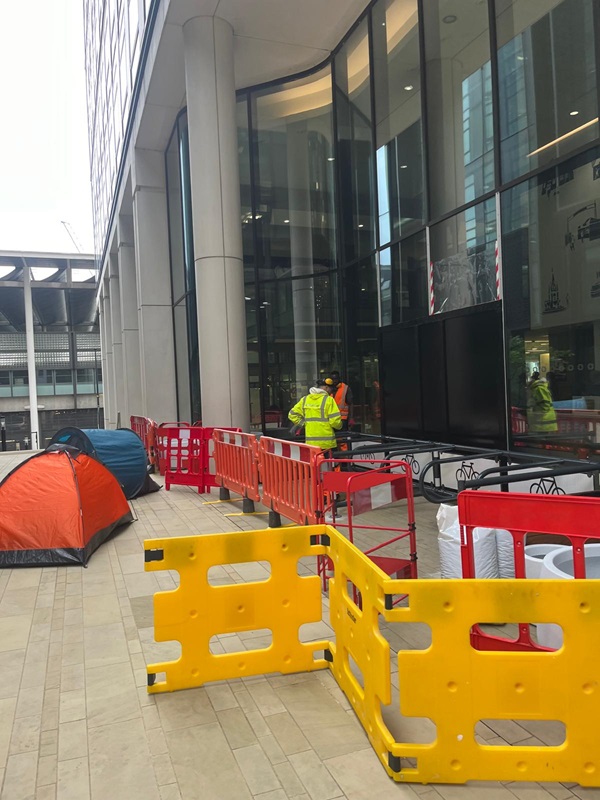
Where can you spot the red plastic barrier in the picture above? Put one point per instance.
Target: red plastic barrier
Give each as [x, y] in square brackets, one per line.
[146, 430]
[151, 445]
[161, 438]
[579, 422]
[575, 518]
[518, 421]
[189, 457]
[368, 491]
[290, 474]
[210, 477]
[185, 461]
[236, 464]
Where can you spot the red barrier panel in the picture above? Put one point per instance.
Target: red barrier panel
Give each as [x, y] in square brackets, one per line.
[146, 430]
[574, 518]
[210, 477]
[367, 491]
[236, 465]
[151, 447]
[161, 438]
[289, 474]
[189, 456]
[185, 457]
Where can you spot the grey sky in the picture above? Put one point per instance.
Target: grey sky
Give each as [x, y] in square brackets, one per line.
[44, 163]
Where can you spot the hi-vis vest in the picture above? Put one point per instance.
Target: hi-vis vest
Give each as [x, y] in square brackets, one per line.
[340, 399]
[541, 415]
[321, 416]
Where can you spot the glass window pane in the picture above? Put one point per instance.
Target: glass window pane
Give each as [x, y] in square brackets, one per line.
[463, 251]
[355, 145]
[403, 280]
[551, 279]
[362, 329]
[295, 192]
[302, 336]
[186, 205]
[547, 81]
[64, 381]
[182, 362]
[397, 75]
[175, 219]
[273, 418]
[459, 103]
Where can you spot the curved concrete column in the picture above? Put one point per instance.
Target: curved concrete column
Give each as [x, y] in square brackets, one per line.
[216, 211]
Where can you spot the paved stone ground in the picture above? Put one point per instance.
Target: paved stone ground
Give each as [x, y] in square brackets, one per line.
[76, 721]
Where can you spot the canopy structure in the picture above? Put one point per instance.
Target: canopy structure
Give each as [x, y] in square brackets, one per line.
[121, 451]
[57, 508]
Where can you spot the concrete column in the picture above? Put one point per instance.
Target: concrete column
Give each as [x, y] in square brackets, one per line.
[117, 344]
[301, 251]
[31, 373]
[110, 416]
[216, 211]
[155, 319]
[132, 379]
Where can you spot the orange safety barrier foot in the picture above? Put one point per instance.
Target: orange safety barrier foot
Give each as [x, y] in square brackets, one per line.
[274, 519]
[247, 506]
[224, 494]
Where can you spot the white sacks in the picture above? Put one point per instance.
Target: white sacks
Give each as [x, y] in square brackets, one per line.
[506, 554]
[484, 546]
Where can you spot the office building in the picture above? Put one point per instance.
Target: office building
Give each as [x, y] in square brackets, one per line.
[50, 356]
[406, 191]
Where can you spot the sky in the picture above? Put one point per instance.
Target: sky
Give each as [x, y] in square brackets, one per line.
[44, 160]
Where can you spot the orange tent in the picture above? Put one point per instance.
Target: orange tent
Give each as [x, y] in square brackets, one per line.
[57, 508]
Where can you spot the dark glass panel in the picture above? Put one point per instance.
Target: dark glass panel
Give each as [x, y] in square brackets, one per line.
[399, 140]
[547, 81]
[294, 214]
[301, 336]
[403, 280]
[551, 280]
[459, 103]
[355, 145]
[463, 251]
[362, 357]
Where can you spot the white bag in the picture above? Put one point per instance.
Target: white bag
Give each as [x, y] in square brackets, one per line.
[506, 554]
[484, 546]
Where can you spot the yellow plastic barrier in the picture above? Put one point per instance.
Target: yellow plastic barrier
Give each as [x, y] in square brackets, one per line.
[450, 683]
[196, 611]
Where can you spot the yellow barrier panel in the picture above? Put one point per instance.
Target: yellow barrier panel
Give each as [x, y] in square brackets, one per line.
[450, 683]
[196, 611]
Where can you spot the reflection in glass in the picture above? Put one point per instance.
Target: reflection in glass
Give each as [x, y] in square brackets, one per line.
[397, 76]
[547, 81]
[551, 275]
[182, 362]
[294, 215]
[175, 218]
[291, 332]
[459, 103]
[463, 251]
[355, 145]
[403, 280]
[183, 277]
[362, 356]
[253, 357]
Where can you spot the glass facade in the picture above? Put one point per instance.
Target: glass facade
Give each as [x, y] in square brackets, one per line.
[113, 33]
[446, 156]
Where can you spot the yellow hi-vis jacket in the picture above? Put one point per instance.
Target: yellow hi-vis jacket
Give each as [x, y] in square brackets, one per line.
[321, 416]
[541, 414]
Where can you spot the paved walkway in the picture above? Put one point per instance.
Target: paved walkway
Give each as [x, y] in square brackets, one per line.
[76, 721]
